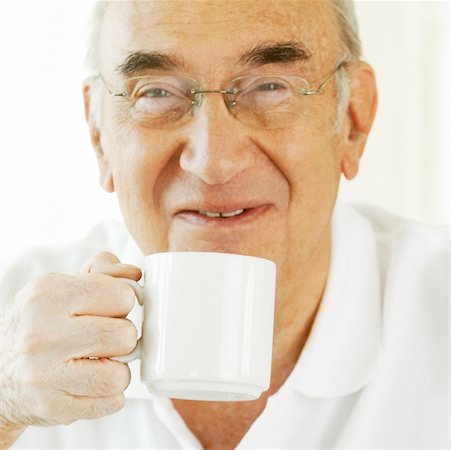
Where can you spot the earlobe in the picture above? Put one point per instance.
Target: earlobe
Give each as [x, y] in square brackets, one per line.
[105, 175]
[349, 167]
[359, 118]
[106, 180]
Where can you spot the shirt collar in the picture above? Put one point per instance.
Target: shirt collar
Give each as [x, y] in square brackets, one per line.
[132, 254]
[342, 350]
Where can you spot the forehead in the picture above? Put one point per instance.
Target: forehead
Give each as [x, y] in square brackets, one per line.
[208, 33]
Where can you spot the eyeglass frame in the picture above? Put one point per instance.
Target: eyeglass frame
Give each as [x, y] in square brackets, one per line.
[198, 93]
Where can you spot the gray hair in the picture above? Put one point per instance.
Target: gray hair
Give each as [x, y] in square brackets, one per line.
[351, 47]
[349, 37]
[95, 25]
[347, 25]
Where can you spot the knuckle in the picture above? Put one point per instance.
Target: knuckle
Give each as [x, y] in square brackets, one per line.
[29, 342]
[51, 409]
[35, 378]
[29, 378]
[106, 256]
[44, 291]
[127, 296]
[123, 377]
[115, 403]
[94, 410]
[102, 385]
[104, 406]
[43, 281]
[114, 383]
[45, 409]
[34, 339]
[88, 284]
[128, 336]
[39, 288]
[118, 336]
[97, 262]
[107, 337]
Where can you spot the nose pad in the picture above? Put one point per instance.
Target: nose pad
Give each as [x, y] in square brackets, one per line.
[217, 149]
[197, 99]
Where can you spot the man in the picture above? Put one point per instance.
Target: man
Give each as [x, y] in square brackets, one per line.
[359, 355]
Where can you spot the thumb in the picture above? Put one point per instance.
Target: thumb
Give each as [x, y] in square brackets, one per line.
[109, 264]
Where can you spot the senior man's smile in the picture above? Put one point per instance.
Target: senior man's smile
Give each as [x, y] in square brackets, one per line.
[228, 215]
[238, 217]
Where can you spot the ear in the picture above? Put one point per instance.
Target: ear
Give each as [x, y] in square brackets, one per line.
[92, 103]
[359, 116]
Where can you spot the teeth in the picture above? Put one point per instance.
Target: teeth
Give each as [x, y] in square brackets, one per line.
[233, 213]
[220, 214]
[212, 214]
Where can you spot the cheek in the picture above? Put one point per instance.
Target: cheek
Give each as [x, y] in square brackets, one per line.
[307, 156]
[311, 167]
[138, 159]
[134, 155]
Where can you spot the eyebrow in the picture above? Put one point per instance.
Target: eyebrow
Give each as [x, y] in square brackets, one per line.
[266, 53]
[139, 61]
[276, 52]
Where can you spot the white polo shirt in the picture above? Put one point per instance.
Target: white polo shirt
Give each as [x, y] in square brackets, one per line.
[374, 372]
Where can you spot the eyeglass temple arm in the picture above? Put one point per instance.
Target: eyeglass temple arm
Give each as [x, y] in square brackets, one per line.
[321, 86]
[107, 87]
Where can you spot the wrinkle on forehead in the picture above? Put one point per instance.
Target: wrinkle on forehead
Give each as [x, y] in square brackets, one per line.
[220, 15]
[161, 25]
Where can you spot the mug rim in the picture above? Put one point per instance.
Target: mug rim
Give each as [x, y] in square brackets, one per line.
[200, 253]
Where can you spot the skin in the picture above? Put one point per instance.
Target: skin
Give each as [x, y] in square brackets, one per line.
[49, 330]
[213, 162]
[214, 159]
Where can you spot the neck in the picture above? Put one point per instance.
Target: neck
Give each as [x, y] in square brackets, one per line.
[221, 425]
[297, 303]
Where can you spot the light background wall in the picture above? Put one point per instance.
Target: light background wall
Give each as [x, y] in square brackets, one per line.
[48, 175]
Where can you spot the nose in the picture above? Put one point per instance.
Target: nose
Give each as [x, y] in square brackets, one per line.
[217, 146]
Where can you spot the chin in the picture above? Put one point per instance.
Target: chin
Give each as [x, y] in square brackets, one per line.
[221, 246]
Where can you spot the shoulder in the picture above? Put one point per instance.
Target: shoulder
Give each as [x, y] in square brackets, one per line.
[413, 262]
[108, 236]
[407, 248]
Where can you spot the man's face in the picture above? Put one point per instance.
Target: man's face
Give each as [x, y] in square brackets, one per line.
[285, 179]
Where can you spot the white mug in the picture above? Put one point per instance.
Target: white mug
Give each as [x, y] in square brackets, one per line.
[207, 325]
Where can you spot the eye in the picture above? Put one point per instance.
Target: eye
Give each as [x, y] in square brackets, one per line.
[264, 92]
[271, 86]
[159, 98]
[155, 93]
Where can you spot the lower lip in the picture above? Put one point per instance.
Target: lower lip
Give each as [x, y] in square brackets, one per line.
[248, 216]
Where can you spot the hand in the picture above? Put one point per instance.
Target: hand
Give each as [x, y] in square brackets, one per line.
[57, 336]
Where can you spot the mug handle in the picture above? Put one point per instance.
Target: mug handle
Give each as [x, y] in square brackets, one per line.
[136, 352]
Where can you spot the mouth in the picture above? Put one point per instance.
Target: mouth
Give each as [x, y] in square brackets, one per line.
[222, 217]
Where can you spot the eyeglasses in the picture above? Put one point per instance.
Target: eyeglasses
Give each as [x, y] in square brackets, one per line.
[262, 102]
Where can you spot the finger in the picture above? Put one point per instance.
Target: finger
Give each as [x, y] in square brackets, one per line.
[94, 377]
[95, 294]
[98, 261]
[101, 337]
[93, 408]
[109, 264]
[100, 295]
[68, 408]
